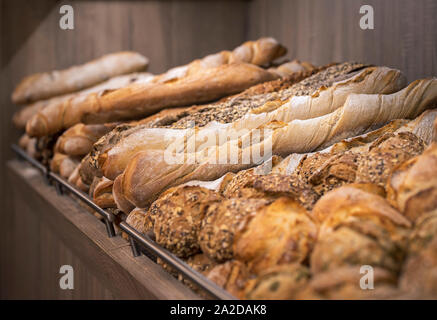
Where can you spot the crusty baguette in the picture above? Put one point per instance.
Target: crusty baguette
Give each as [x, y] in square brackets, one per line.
[102, 194]
[287, 166]
[420, 126]
[227, 109]
[28, 144]
[21, 117]
[148, 173]
[75, 180]
[182, 85]
[259, 52]
[140, 100]
[49, 84]
[79, 139]
[321, 102]
[63, 164]
[89, 167]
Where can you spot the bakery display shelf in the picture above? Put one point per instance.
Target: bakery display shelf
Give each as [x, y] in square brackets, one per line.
[140, 243]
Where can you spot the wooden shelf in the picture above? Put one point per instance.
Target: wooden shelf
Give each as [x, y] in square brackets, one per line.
[49, 230]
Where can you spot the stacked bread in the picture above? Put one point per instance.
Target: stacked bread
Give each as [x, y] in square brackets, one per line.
[311, 219]
[60, 100]
[275, 181]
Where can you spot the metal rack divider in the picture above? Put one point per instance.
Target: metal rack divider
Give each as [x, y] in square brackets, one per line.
[137, 239]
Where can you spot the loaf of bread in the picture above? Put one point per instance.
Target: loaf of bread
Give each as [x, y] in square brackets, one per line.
[311, 100]
[49, 84]
[21, 117]
[75, 180]
[79, 139]
[419, 274]
[228, 109]
[359, 228]
[148, 173]
[412, 187]
[282, 282]
[178, 217]
[90, 164]
[63, 164]
[102, 194]
[281, 233]
[344, 283]
[140, 100]
[202, 80]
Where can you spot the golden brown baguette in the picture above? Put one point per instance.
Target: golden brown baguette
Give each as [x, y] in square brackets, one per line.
[259, 52]
[140, 100]
[49, 84]
[179, 86]
[102, 194]
[89, 165]
[313, 103]
[21, 117]
[79, 139]
[149, 172]
[75, 180]
[226, 109]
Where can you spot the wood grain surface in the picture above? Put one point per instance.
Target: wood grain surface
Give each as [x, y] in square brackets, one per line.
[323, 31]
[48, 231]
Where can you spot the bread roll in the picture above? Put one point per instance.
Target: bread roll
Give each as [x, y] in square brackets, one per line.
[412, 187]
[178, 218]
[281, 233]
[358, 228]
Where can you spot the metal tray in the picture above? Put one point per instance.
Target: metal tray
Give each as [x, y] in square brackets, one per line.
[140, 243]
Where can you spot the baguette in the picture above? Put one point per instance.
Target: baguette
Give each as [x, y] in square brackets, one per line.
[200, 81]
[225, 110]
[419, 127]
[21, 117]
[79, 139]
[140, 100]
[49, 84]
[147, 174]
[315, 103]
[89, 166]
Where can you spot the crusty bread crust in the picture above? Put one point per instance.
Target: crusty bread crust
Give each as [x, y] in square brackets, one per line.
[148, 174]
[21, 117]
[49, 84]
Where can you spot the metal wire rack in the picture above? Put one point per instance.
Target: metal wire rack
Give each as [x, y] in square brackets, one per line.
[140, 243]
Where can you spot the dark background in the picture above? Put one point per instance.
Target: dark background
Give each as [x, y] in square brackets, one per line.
[172, 33]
